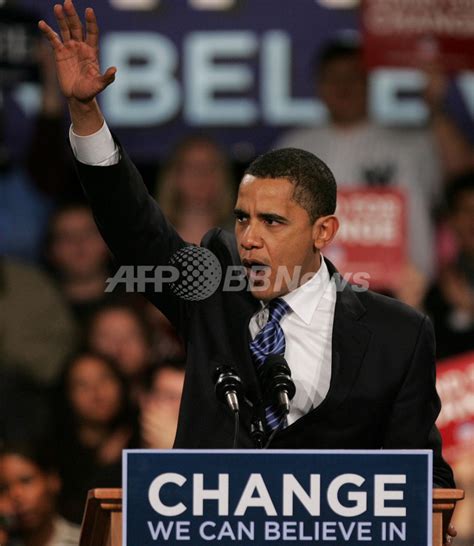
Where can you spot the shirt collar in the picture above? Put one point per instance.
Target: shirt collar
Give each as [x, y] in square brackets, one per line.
[305, 299]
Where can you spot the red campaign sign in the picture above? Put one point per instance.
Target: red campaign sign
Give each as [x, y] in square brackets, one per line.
[407, 33]
[455, 384]
[371, 245]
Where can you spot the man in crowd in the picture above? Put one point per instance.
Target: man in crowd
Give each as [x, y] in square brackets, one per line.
[159, 401]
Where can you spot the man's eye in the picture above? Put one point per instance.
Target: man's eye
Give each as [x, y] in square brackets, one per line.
[271, 222]
[240, 218]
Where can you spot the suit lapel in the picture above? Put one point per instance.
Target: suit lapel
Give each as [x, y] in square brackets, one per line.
[350, 339]
[237, 309]
[241, 313]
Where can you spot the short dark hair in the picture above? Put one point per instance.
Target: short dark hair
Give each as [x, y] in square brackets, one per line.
[315, 186]
[126, 303]
[458, 185]
[177, 364]
[340, 47]
[39, 451]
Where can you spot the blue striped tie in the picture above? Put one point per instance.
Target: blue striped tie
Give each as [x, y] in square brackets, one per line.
[271, 341]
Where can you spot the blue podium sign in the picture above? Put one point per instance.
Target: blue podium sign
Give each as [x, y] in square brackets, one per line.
[275, 497]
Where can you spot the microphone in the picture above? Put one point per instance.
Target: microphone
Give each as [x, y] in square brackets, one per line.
[278, 387]
[257, 432]
[228, 387]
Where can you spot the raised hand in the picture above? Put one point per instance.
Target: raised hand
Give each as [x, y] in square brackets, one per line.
[76, 54]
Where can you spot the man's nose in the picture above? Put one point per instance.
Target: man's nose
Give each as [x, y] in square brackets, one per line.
[251, 238]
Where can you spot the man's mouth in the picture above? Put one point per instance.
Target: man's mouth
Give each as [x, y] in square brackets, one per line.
[255, 270]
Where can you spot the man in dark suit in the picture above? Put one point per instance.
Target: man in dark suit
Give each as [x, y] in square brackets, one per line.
[363, 364]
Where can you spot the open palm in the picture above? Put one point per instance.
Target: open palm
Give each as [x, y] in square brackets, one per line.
[76, 55]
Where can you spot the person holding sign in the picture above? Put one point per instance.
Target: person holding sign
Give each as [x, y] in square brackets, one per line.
[362, 364]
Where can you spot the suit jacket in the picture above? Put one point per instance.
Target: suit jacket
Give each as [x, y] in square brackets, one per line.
[382, 392]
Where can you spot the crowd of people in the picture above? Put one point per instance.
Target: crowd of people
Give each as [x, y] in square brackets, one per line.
[85, 373]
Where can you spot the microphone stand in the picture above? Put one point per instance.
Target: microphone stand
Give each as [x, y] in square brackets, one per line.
[228, 388]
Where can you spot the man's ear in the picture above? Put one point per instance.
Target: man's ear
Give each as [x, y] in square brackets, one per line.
[324, 231]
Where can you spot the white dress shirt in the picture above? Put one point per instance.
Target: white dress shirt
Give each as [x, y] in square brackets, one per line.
[307, 328]
[98, 149]
[308, 335]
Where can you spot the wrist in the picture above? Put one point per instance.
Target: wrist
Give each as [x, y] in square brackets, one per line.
[82, 109]
[86, 117]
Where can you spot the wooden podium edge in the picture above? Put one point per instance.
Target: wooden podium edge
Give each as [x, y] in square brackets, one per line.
[102, 521]
[444, 502]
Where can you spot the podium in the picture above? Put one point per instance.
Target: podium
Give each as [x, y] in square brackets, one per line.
[102, 522]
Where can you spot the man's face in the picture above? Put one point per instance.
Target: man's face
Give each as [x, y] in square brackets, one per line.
[167, 388]
[159, 408]
[274, 236]
[342, 87]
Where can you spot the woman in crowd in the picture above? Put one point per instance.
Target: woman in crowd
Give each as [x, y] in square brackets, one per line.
[195, 190]
[120, 329]
[95, 423]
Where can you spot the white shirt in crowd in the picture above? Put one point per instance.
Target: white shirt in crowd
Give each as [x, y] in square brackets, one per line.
[397, 158]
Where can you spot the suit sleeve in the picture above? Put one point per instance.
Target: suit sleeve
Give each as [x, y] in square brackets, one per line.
[412, 421]
[133, 225]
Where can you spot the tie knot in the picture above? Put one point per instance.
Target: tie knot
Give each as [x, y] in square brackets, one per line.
[277, 308]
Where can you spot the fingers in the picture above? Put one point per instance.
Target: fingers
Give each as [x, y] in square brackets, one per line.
[450, 534]
[61, 19]
[73, 21]
[92, 34]
[50, 35]
[108, 77]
